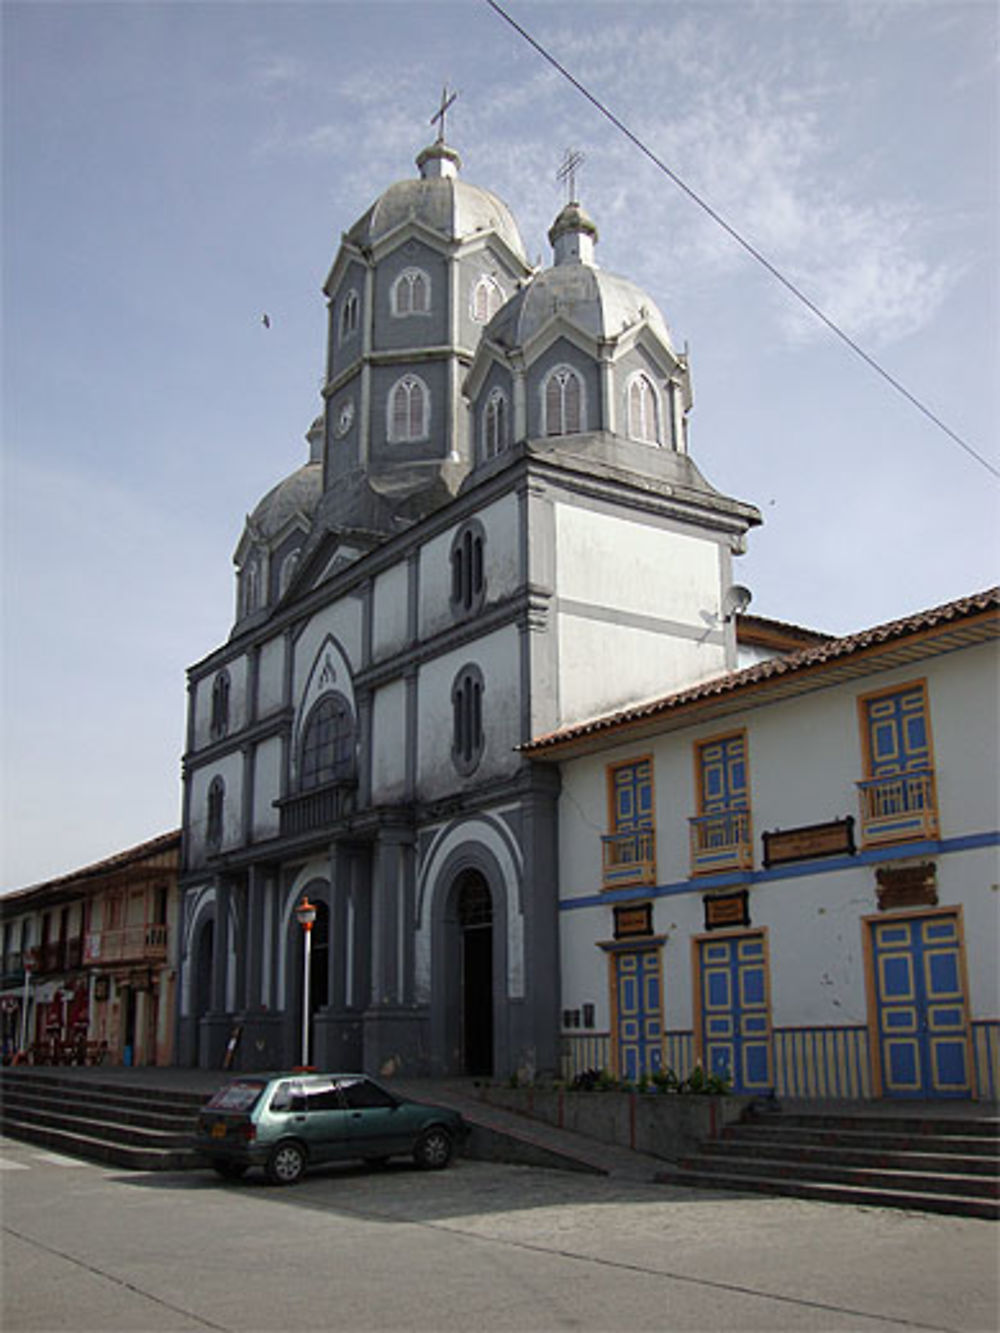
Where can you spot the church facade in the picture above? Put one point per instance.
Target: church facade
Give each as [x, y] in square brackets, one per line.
[498, 533]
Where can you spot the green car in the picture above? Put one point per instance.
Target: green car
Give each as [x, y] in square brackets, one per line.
[288, 1122]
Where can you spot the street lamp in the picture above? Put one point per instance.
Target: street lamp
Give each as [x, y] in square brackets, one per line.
[306, 913]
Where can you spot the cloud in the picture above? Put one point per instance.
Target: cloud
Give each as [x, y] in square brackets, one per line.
[754, 125]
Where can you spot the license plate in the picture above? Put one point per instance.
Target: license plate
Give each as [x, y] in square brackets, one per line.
[218, 1131]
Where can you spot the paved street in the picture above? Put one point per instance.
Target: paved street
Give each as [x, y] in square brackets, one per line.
[478, 1247]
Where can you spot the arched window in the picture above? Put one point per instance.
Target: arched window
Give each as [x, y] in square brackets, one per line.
[467, 719]
[409, 410]
[215, 813]
[487, 298]
[349, 315]
[250, 588]
[288, 567]
[220, 705]
[643, 410]
[563, 398]
[411, 293]
[468, 580]
[495, 429]
[327, 752]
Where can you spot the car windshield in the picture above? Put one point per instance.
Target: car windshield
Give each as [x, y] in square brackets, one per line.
[239, 1096]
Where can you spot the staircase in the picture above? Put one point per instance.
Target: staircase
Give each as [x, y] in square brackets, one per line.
[143, 1128]
[939, 1164]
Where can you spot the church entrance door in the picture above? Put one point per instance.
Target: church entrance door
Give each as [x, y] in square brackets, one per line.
[475, 919]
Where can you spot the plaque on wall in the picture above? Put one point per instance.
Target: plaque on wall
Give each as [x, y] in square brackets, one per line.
[834, 838]
[633, 920]
[726, 910]
[906, 886]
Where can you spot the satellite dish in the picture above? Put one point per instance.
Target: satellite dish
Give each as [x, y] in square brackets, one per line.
[736, 600]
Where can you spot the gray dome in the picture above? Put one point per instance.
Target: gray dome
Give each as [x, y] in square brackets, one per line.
[601, 304]
[297, 494]
[443, 203]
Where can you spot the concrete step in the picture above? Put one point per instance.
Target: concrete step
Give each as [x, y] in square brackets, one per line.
[986, 1209]
[99, 1148]
[70, 1121]
[39, 1102]
[921, 1159]
[968, 1125]
[870, 1135]
[908, 1180]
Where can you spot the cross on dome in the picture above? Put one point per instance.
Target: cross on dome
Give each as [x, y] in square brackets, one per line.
[439, 114]
[567, 172]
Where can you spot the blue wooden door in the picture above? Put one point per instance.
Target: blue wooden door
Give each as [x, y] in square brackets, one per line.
[639, 1006]
[736, 1021]
[922, 1034]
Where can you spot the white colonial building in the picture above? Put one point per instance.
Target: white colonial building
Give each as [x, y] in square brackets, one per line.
[498, 532]
[790, 872]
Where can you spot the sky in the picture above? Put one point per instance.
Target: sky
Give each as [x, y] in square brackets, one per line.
[172, 171]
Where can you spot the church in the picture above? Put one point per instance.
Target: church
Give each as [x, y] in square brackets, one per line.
[497, 534]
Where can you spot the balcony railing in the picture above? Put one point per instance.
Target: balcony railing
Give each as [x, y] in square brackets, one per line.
[130, 944]
[721, 841]
[56, 956]
[312, 811]
[629, 858]
[898, 808]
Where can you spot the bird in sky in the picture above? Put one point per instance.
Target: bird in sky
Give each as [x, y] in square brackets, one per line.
[266, 321]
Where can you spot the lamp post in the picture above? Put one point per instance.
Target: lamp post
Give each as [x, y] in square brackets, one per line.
[306, 913]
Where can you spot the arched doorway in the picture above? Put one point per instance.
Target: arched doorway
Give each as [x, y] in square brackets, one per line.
[474, 909]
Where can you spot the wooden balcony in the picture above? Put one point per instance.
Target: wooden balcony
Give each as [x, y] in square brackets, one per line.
[130, 944]
[629, 858]
[56, 956]
[898, 809]
[721, 841]
[313, 811]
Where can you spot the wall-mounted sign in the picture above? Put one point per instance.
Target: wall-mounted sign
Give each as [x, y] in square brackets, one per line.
[834, 838]
[727, 910]
[633, 920]
[907, 886]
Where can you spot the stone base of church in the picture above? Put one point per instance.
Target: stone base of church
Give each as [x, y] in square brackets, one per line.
[337, 1040]
[397, 1042]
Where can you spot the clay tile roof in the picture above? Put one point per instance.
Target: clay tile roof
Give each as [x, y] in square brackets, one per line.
[769, 675]
[163, 843]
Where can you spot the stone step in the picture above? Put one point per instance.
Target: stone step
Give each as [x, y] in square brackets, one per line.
[25, 1101]
[908, 1180]
[930, 1160]
[99, 1148]
[71, 1121]
[963, 1126]
[872, 1137]
[987, 1209]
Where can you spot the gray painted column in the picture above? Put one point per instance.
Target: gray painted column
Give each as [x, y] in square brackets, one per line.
[254, 936]
[388, 886]
[520, 401]
[340, 879]
[220, 945]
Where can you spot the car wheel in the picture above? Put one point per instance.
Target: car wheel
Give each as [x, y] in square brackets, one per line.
[286, 1165]
[230, 1170]
[433, 1150]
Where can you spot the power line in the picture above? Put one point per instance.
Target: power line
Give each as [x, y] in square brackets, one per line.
[740, 240]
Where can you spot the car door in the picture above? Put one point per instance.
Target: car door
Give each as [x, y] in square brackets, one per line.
[379, 1127]
[321, 1121]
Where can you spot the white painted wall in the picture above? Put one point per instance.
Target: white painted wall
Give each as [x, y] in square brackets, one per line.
[501, 565]
[638, 612]
[230, 769]
[389, 608]
[342, 622]
[267, 787]
[389, 742]
[238, 702]
[271, 682]
[497, 656]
